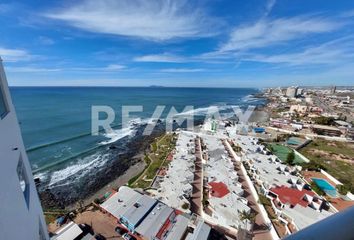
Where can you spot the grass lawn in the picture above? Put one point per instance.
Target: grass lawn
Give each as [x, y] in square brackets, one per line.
[160, 148]
[282, 152]
[328, 155]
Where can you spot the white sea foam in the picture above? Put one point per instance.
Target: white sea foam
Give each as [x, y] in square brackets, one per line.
[84, 166]
[249, 99]
[199, 111]
[115, 135]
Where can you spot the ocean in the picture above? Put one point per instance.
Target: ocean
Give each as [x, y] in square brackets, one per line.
[56, 126]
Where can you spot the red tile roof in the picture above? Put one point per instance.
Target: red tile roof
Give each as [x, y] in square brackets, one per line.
[218, 189]
[292, 196]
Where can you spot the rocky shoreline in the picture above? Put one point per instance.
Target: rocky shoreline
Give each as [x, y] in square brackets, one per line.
[68, 196]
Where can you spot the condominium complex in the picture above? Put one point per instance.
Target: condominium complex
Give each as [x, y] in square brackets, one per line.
[21, 212]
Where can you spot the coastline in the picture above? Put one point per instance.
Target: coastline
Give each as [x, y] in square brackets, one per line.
[119, 181]
[114, 173]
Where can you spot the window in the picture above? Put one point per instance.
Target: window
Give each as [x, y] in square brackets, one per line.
[23, 178]
[3, 106]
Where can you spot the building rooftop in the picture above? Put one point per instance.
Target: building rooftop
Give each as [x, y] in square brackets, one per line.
[277, 176]
[176, 184]
[151, 225]
[292, 196]
[225, 201]
[69, 231]
[305, 216]
[218, 189]
[201, 232]
[179, 228]
[138, 209]
[119, 202]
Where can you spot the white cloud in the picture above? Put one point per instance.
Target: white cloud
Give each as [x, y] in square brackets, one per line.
[31, 69]
[114, 67]
[34, 69]
[269, 7]
[265, 32]
[109, 68]
[154, 20]
[165, 57]
[181, 70]
[14, 55]
[333, 52]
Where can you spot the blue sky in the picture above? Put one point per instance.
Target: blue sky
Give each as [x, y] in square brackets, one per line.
[206, 43]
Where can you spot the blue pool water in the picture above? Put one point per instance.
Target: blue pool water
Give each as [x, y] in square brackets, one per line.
[325, 186]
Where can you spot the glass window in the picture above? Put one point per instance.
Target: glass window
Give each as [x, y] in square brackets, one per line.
[22, 177]
[3, 107]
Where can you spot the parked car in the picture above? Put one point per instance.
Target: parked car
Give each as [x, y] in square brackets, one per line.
[126, 236]
[100, 237]
[120, 231]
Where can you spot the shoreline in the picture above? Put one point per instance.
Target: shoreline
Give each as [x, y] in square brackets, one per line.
[119, 181]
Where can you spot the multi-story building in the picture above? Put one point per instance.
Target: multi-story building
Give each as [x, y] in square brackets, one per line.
[21, 215]
[291, 92]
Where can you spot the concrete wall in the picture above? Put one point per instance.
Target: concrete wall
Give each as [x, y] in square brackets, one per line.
[333, 179]
[18, 219]
[301, 156]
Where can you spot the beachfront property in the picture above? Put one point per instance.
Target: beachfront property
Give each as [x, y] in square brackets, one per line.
[175, 188]
[149, 219]
[21, 212]
[222, 190]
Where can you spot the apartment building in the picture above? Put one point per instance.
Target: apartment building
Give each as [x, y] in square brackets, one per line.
[21, 215]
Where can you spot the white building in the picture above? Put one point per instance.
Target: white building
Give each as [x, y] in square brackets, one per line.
[291, 92]
[21, 215]
[298, 109]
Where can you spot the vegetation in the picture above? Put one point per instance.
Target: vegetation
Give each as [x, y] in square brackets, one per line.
[133, 179]
[247, 217]
[317, 189]
[290, 159]
[160, 149]
[343, 189]
[237, 148]
[185, 206]
[324, 120]
[51, 215]
[282, 152]
[264, 200]
[324, 155]
[205, 201]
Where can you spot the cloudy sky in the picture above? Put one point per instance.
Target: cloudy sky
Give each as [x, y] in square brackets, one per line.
[206, 43]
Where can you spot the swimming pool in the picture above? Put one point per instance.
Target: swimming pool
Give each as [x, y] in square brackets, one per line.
[325, 186]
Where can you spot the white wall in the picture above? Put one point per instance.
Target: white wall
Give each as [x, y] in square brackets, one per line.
[17, 221]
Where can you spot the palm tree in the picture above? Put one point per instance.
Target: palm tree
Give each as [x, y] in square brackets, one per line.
[247, 217]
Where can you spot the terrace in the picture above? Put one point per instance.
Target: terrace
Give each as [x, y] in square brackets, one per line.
[226, 200]
[285, 184]
[175, 187]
